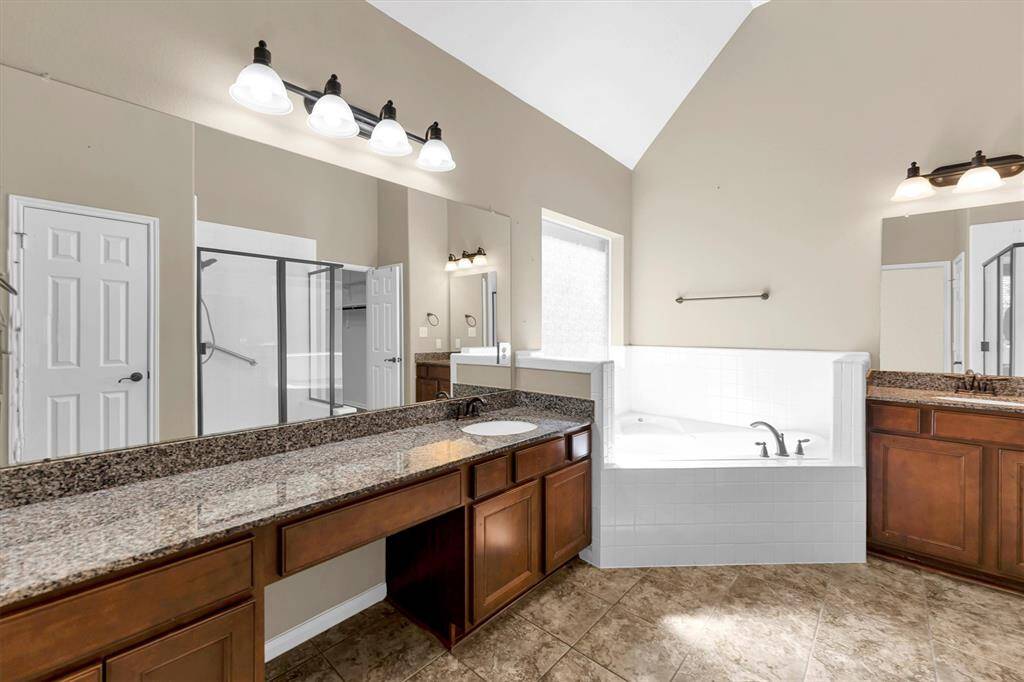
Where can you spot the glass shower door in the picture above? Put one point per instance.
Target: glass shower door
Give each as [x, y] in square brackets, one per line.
[313, 353]
[237, 341]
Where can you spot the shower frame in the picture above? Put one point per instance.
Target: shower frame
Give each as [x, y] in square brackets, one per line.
[998, 341]
[281, 307]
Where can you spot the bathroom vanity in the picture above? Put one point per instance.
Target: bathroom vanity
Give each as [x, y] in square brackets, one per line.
[165, 577]
[946, 481]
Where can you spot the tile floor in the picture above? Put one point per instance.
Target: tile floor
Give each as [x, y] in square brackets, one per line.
[874, 621]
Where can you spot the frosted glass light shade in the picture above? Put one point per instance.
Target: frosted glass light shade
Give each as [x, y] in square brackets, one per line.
[258, 87]
[451, 264]
[978, 179]
[332, 117]
[435, 157]
[913, 188]
[465, 263]
[388, 138]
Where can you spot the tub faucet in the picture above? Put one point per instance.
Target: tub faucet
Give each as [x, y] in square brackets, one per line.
[780, 438]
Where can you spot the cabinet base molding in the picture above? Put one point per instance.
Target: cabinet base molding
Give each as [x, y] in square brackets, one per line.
[944, 568]
[293, 637]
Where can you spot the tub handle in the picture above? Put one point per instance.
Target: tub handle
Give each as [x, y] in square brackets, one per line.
[800, 446]
[764, 448]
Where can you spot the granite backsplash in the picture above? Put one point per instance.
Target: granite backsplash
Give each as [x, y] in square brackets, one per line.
[932, 381]
[47, 480]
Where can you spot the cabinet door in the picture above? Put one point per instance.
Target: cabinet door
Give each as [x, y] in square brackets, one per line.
[926, 496]
[94, 673]
[506, 547]
[1011, 512]
[426, 389]
[566, 514]
[218, 649]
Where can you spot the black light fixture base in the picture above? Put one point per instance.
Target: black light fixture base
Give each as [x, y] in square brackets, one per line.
[947, 176]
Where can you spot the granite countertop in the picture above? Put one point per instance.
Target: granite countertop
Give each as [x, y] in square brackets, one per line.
[435, 363]
[62, 542]
[931, 397]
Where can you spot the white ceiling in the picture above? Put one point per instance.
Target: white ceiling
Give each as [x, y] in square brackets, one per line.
[613, 72]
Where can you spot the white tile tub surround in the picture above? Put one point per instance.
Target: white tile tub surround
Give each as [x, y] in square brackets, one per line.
[756, 511]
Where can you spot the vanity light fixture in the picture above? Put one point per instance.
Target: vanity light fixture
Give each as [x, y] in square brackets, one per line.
[258, 87]
[976, 175]
[480, 257]
[979, 177]
[389, 137]
[466, 262]
[331, 115]
[914, 187]
[452, 264]
[435, 155]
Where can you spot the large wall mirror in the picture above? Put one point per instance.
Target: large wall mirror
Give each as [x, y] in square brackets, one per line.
[952, 287]
[174, 280]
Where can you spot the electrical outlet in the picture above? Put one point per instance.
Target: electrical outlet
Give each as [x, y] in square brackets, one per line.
[437, 344]
[471, 332]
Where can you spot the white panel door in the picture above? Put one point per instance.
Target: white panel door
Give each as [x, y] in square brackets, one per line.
[384, 337]
[85, 330]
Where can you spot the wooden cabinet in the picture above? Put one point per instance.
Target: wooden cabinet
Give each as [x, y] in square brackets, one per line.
[566, 514]
[94, 673]
[432, 379]
[506, 547]
[540, 458]
[926, 496]
[217, 649]
[1010, 481]
[946, 489]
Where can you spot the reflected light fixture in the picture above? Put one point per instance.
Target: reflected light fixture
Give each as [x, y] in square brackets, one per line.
[466, 261]
[914, 187]
[452, 264]
[480, 257]
[258, 87]
[976, 175]
[388, 137]
[435, 155]
[979, 177]
[331, 115]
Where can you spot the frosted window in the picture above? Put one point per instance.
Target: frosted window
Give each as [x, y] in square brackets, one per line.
[574, 293]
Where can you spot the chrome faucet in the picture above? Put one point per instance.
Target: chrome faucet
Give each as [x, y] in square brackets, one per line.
[780, 438]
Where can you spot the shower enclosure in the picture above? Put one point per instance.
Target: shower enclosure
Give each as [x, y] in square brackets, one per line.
[271, 332]
[1002, 286]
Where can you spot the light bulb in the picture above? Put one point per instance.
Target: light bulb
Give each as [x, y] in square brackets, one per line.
[914, 187]
[331, 115]
[978, 179]
[388, 137]
[258, 87]
[435, 155]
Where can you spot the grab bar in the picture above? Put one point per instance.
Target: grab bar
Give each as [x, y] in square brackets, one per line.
[228, 351]
[763, 296]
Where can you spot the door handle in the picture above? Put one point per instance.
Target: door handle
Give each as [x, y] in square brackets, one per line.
[134, 376]
[395, 359]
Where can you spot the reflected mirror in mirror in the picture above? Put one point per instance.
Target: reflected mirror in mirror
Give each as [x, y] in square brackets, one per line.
[472, 305]
[952, 291]
[174, 280]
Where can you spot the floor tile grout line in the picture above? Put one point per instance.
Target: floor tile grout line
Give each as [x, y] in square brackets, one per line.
[814, 639]
[931, 637]
[425, 665]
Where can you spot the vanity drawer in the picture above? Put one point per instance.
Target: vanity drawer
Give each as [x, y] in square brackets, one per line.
[56, 634]
[322, 537]
[978, 427]
[490, 477]
[894, 418]
[539, 458]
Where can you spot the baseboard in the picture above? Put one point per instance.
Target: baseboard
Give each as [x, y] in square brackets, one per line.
[289, 639]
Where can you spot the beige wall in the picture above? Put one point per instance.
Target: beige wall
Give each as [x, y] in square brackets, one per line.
[265, 188]
[574, 384]
[778, 167]
[428, 282]
[181, 62]
[484, 375]
[65, 144]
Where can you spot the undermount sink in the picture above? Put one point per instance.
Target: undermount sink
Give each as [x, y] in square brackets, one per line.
[499, 428]
[979, 401]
